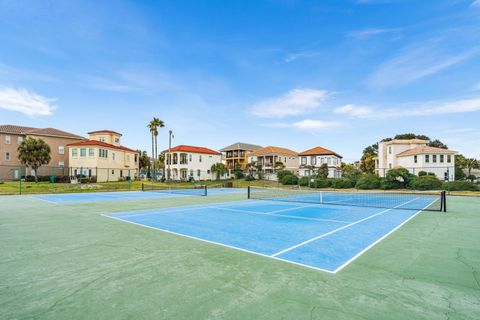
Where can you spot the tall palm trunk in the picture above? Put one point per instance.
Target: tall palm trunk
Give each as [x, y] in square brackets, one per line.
[152, 174]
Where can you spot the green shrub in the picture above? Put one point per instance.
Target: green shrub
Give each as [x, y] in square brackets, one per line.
[422, 173]
[343, 183]
[238, 174]
[283, 173]
[369, 181]
[289, 180]
[322, 183]
[460, 186]
[249, 178]
[426, 183]
[304, 181]
[390, 185]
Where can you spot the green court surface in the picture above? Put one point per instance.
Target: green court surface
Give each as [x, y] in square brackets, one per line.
[69, 262]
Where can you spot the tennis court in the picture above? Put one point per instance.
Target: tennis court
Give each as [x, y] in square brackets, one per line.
[320, 230]
[148, 193]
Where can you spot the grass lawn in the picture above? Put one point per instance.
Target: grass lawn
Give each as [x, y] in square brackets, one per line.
[69, 262]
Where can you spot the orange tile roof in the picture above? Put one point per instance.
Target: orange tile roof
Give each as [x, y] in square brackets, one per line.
[319, 151]
[105, 131]
[271, 149]
[425, 150]
[193, 149]
[101, 144]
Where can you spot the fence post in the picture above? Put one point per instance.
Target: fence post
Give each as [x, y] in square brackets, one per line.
[129, 181]
[20, 187]
[248, 192]
[52, 179]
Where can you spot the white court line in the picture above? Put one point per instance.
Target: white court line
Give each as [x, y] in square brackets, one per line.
[274, 213]
[336, 230]
[380, 239]
[35, 197]
[219, 244]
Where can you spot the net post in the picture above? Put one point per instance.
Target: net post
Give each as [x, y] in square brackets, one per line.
[248, 192]
[205, 188]
[444, 201]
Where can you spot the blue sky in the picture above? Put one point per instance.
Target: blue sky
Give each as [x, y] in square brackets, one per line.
[297, 74]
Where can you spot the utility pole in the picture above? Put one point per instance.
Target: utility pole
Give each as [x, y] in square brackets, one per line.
[169, 161]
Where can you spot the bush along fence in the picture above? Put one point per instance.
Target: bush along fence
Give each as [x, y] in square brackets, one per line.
[398, 178]
[63, 178]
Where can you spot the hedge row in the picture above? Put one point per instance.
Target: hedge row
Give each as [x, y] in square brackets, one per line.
[371, 181]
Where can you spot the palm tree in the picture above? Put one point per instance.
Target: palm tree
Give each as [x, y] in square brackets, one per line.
[219, 169]
[153, 125]
[34, 153]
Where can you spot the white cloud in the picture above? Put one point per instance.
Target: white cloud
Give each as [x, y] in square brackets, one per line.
[295, 102]
[476, 4]
[309, 124]
[302, 54]
[416, 62]
[26, 102]
[370, 32]
[354, 110]
[430, 108]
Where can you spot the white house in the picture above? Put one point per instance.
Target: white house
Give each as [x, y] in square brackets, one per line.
[311, 160]
[415, 155]
[191, 163]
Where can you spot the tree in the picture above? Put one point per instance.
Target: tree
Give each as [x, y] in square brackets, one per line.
[144, 162]
[322, 172]
[437, 144]
[399, 176]
[153, 125]
[219, 169]
[259, 169]
[277, 166]
[367, 162]
[349, 171]
[34, 153]
[471, 163]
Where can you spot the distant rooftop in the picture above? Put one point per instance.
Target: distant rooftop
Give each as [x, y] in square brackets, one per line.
[319, 151]
[425, 150]
[48, 132]
[193, 149]
[241, 146]
[105, 131]
[274, 150]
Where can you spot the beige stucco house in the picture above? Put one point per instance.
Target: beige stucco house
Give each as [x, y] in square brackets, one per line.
[103, 157]
[268, 156]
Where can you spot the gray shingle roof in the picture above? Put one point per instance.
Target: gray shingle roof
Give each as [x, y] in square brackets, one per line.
[241, 146]
[51, 132]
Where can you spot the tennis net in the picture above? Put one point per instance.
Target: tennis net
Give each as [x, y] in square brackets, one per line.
[196, 190]
[432, 200]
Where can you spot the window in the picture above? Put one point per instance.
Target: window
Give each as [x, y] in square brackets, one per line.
[113, 171]
[191, 173]
[20, 140]
[200, 158]
[117, 140]
[61, 164]
[61, 149]
[313, 161]
[128, 158]
[449, 158]
[189, 157]
[83, 152]
[121, 173]
[103, 153]
[198, 173]
[442, 158]
[101, 139]
[304, 160]
[389, 166]
[389, 150]
[91, 152]
[415, 159]
[427, 158]
[7, 156]
[7, 139]
[113, 156]
[434, 158]
[74, 152]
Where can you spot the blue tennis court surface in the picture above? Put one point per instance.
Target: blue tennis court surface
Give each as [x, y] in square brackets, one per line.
[70, 198]
[320, 236]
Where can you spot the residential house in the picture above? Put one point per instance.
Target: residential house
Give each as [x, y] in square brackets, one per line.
[311, 160]
[191, 163]
[11, 136]
[238, 153]
[415, 155]
[267, 157]
[103, 157]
